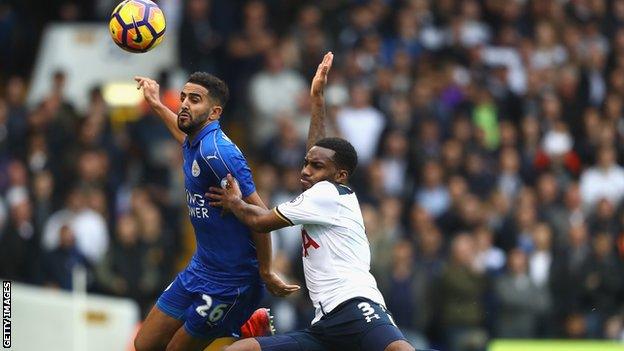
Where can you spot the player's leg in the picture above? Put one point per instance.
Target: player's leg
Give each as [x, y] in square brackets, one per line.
[218, 312]
[156, 331]
[294, 341]
[385, 337]
[164, 319]
[400, 345]
[250, 344]
[259, 324]
[220, 344]
[183, 341]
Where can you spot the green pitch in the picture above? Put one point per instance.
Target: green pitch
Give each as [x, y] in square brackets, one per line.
[554, 345]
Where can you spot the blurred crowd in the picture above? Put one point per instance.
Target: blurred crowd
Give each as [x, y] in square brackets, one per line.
[489, 136]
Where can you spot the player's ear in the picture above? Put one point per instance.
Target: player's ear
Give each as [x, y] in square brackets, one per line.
[215, 113]
[342, 176]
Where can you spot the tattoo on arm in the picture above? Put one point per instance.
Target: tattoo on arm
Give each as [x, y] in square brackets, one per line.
[317, 122]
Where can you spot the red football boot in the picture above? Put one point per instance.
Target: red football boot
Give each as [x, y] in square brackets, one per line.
[259, 324]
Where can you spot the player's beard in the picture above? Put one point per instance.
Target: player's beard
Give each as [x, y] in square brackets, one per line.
[193, 124]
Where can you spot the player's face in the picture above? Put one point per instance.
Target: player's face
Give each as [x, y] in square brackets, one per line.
[319, 165]
[196, 108]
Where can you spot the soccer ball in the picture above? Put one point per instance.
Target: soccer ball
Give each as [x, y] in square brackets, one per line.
[137, 25]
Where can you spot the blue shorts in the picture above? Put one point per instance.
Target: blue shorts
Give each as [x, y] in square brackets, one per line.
[357, 324]
[209, 310]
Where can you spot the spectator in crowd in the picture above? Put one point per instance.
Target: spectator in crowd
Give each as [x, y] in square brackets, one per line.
[509, 179]
[17, 116]
[540, 262]
[459, 292]
[361, 123]
[604, 180]
[285, 147]
[603, 218]
[89, 227]
[274, 90]
[430, 251]
[381, 241]
[518, 314]
[551, 209]
[489, 259]
[59, 264]
[199, 39]
[19, 251]
[288, 239]
[602, 284]
[246, 48]
[566, 273]
[127, 269]
[406, 290]
[433, 196]
[394, 163]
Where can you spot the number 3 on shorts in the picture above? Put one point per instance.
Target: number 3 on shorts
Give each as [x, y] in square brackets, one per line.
[368, 311]
[216, 314]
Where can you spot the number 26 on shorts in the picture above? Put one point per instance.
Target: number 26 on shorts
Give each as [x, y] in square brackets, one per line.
[214, 314]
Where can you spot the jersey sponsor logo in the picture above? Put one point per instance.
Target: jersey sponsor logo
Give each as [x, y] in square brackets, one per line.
[307, 243]
[195, 170]
[196, 205]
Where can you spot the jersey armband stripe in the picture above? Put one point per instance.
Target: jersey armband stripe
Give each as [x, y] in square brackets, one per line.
[281, 215]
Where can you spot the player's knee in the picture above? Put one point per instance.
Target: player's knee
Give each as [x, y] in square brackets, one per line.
[244, 345]
[143, 343]
[399, 345]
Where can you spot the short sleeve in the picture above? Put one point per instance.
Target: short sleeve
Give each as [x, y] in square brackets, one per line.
[317, 205]
[223, 157]
[238, 167]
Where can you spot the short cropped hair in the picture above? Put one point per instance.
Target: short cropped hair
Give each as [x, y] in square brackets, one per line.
[345, 155]
[217, 89]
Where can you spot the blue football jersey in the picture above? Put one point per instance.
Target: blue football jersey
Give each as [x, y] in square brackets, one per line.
[225, 254]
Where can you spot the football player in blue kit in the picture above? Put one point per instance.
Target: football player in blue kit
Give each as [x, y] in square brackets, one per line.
[224, 282]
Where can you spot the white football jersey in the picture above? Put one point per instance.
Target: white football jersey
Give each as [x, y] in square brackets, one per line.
[335, 249]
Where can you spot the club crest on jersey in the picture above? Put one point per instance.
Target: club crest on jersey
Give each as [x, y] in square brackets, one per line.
[195, 169]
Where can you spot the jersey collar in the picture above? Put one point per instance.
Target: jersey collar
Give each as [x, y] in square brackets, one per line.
[212, 126]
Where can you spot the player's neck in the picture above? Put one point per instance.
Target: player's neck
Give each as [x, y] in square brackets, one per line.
[191, 136]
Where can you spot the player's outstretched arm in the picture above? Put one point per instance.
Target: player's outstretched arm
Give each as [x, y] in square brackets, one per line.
[317, 101]
[255, 217]
[262, 240]
[151, 92]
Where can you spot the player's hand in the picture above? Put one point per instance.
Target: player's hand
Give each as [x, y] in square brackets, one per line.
[276, 285]
[151, 89]
[226, 195]
[320, 78]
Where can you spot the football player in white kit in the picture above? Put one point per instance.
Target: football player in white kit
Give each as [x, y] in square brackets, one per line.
[350, 312]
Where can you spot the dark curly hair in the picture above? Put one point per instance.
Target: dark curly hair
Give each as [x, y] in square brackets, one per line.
[345, 155]
[217, 89]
